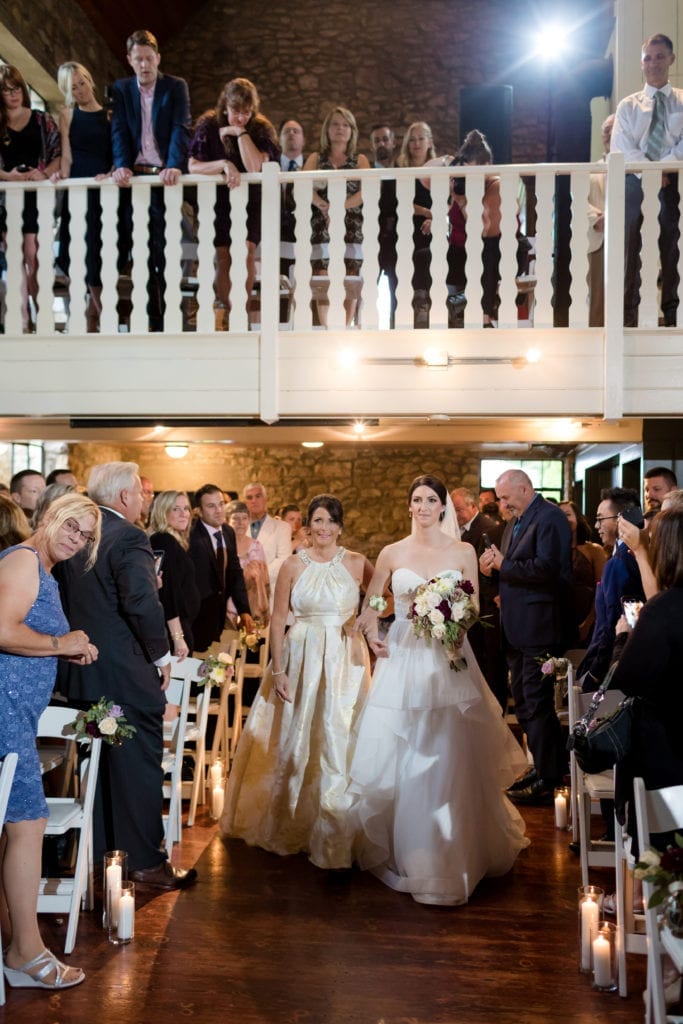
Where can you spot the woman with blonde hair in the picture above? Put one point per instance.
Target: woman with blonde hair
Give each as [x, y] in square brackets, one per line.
[416, 150]
[232, 139]
[86, 153]
[169, 535]
[34, 632]
[338, 142]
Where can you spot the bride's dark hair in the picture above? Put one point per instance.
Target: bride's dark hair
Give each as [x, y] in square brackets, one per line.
[433, 483]
[330, 504]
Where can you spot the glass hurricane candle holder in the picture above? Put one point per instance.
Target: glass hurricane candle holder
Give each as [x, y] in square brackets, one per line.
[604, 952]
[562, 808]
[590, 913]
[115, 872]
[122, 931]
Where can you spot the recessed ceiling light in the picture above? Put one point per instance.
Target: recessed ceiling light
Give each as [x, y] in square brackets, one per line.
[177, 451]
[312, 444]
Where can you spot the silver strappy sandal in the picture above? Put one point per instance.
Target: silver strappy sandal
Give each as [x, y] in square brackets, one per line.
[34, 973]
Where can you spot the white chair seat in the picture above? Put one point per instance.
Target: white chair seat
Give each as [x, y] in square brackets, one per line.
[65, 895]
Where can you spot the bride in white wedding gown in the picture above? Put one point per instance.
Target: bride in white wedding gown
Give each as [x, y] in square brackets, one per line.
[433, 755]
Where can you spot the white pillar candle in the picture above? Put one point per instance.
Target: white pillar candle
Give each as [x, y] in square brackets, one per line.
[216, 773]
[560, 811]
[113, 894]
[602, 966]
[589, 924]
[217, 800]
[126, 921]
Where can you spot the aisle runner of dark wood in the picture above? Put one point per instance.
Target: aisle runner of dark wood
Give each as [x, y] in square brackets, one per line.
[264, 939]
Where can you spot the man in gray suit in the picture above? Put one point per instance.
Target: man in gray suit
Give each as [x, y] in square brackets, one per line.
[118, 602]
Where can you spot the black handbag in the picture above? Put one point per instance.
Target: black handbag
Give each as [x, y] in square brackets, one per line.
[598, 743]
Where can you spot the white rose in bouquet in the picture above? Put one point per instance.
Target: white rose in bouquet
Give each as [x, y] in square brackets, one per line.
[108, 726]
[436, 618]
[439, 632]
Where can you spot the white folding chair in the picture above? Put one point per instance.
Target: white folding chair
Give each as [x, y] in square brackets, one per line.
[7, 767]
[588, 790]
[257, 669]
[65, 895]
[218, 707]
[177, 693]
[658, 810]
[195, 732]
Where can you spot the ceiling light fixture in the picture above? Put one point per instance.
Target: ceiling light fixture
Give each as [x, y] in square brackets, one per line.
[176, 451]
[312, 444]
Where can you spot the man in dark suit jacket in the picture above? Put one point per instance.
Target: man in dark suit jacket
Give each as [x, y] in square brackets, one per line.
[487, 643]
[150, 132]
[117, 602]
[534, 584]
[213, 550]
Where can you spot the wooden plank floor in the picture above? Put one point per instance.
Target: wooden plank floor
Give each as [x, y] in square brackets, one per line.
[265, 939]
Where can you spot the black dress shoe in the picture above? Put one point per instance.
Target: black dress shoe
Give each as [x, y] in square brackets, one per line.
[524, 781]
[539, 794]
[165, 876]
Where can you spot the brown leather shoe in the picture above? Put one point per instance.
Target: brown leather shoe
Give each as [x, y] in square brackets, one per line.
[165, 876]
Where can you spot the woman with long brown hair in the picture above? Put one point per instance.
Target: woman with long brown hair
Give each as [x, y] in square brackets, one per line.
[234, 138]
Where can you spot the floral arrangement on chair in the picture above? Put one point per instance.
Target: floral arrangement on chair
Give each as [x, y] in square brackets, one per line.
[251, 639]
[104, 720]
[664, 871]
[444, 610]
[557, 669]
[215, 670]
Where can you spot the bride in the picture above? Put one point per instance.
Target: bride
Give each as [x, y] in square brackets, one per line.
[287, 788]
[433, 754]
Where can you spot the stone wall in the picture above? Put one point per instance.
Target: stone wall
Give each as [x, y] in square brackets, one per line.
[387, 60]
[54, 33]
[371, 482]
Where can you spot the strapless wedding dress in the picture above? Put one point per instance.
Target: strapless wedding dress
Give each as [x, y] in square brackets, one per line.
[287, 790]
[432, 759]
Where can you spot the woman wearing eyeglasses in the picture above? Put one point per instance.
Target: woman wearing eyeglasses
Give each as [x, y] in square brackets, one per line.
[29, 151]
[34, 632]
[169, 533]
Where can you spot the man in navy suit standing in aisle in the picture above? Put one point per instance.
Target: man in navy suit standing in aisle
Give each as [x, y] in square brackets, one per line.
[535, 578]
[150, 131]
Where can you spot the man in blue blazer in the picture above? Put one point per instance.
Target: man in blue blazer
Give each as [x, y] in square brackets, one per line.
[534, 584]
[150, 135]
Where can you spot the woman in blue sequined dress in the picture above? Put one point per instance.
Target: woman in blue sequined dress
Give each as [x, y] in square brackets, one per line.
[33, 634]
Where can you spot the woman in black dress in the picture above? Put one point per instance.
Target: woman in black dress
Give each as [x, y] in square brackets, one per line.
[169, 530]
[86, 153]
[29, 151]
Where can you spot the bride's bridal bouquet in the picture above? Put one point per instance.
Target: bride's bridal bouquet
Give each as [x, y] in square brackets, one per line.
[444, 610]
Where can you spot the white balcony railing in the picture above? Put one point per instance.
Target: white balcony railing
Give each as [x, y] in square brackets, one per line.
[265, 366]
[529, 205]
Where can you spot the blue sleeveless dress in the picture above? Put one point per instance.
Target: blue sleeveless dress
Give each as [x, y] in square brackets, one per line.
[26, 685]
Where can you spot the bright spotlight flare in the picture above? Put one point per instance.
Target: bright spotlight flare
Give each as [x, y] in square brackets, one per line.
[552, 42]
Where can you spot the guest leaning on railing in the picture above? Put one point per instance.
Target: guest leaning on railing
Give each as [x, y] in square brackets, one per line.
[29, 151]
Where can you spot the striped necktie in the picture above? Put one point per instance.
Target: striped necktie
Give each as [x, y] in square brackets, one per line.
[655, 140]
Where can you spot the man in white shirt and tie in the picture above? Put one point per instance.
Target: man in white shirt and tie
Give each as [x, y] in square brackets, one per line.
[648, 125]
[274, 535]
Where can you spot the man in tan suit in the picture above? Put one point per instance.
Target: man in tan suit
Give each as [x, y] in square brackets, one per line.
[274, 535]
